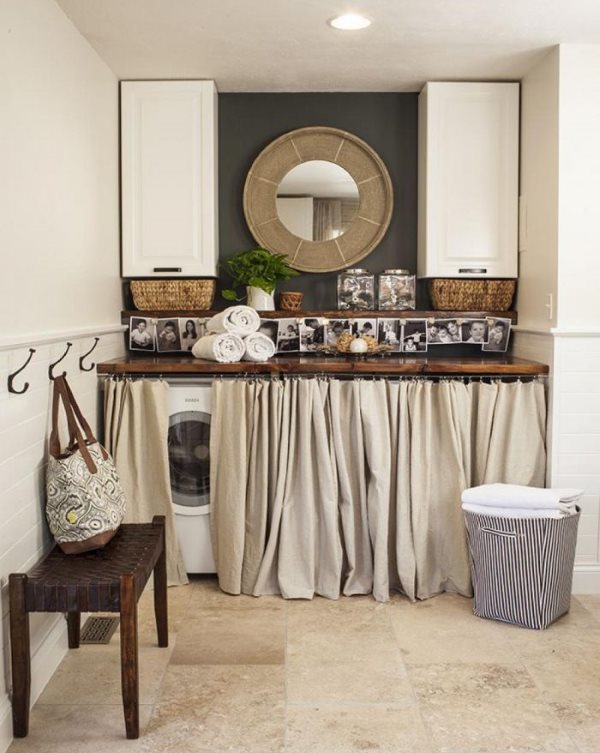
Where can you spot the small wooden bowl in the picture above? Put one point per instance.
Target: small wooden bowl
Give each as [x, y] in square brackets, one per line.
[289, 301]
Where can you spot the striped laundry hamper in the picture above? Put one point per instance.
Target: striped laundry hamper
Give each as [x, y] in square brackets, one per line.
[522, 568]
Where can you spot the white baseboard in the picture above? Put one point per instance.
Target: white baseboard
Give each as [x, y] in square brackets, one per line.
[586, 579]
[44, 663]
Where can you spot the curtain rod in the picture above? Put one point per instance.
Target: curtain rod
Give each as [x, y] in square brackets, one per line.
[322, 375]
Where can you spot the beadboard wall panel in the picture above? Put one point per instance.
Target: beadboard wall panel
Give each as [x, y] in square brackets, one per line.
[24, 537]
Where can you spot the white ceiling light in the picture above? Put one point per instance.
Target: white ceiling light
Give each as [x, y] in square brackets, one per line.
[349, 22]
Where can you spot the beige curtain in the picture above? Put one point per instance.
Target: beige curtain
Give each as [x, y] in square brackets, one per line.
[342, 487]
[136, 422]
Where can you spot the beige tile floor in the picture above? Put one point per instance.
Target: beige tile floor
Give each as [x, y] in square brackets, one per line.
[264, 675]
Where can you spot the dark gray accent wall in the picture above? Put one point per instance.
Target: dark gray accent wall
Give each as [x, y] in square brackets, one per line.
[387, 122]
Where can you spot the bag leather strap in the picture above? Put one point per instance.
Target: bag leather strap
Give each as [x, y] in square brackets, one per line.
[62, 393]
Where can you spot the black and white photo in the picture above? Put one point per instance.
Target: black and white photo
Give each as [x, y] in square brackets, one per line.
[390, 333]
[168, 339]
[474, 331]
[270, 328]
[414, 336]
[443, 332]
[288, 336]
[362, 327]
[190, 330]
[312, 334]
[498, 335]
[141, 333]
[333, 329]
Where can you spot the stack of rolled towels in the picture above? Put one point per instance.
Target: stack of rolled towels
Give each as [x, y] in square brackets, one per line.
[232, 335]
[513, 501]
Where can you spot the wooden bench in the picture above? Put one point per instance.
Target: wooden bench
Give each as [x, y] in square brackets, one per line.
[106, 580]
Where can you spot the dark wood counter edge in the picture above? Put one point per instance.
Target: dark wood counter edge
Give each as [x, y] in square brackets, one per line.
[167, 365]
[279, 314]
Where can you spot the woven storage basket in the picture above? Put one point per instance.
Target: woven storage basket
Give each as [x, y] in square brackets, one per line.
[472, 295]
[174, 295]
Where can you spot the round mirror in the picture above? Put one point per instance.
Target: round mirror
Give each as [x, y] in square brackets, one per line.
[321, 196]
[317, 200]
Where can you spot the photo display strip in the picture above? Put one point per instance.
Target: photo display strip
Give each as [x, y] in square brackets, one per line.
[491, 333]
[306, 335]
[172, 335]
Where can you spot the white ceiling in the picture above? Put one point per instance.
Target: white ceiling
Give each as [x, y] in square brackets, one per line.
[286, 45]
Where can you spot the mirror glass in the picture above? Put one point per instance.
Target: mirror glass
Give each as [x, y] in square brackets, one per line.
[317, 200]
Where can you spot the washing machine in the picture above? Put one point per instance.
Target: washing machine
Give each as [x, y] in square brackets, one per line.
[189, 468]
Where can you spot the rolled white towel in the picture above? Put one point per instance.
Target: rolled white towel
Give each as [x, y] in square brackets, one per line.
[518, 512]
[238, 320]
[259, 347]
[223, 347]
[522, 497]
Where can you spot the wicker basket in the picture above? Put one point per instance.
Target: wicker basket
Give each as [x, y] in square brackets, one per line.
[173, 295]
[472, 295]
[289, 301]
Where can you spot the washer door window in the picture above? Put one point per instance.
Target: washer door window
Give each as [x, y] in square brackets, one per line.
[189, 461]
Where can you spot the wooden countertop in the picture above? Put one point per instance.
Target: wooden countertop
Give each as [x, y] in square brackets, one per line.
[502, 365]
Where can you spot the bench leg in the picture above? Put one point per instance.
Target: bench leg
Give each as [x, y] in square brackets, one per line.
[74, 628]
[20, 657]
[129, 657]
[160, 589]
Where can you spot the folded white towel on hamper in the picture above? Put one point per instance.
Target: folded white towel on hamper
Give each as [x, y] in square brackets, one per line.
[522, 497]
[259, 347]
[223, 347]
[517, 512]
[238, 320]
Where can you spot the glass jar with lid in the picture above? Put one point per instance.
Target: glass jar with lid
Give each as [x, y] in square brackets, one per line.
[356, 290]
[396, 290]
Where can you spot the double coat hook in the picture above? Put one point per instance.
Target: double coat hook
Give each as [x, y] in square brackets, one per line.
[52, 365]
[12, 376]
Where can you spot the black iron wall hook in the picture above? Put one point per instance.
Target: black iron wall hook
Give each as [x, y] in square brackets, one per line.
[52, 365]
[18, 371]
[85, 355]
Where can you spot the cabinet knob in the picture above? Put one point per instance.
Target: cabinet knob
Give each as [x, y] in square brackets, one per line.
[167, 269]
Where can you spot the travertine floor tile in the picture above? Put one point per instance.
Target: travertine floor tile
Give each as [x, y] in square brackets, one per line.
[205, 592]
[92, 675]
[80, 729]
[368, 729]
[314, 682]
[434, 681]
[444, 629]
[500, 721]
[212, 709]
[582, 722]
[232, 636]
[591, 602]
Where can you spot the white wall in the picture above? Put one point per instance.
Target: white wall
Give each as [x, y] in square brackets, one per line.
[538, 264]
[59, 241]
[579, 171]
[59, 217]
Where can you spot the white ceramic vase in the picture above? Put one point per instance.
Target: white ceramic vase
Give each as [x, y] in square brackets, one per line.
[259, 299]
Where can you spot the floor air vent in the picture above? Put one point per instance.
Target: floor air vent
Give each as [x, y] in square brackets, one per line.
[98, 629]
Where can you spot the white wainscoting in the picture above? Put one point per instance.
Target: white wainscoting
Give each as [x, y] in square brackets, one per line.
[24, 537]
[573, 431]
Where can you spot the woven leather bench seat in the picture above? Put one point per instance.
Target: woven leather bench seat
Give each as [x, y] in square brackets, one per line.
[106, 580]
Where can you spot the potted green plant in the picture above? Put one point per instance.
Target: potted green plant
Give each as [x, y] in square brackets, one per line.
[259, 270]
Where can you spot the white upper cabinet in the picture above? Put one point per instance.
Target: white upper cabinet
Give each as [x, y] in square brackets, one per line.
[169, 178]
[468, 180]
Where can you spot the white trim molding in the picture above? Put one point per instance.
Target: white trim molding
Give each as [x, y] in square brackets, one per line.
[586, 579]
[22, 341]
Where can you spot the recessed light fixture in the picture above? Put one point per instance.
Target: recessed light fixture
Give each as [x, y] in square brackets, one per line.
[349, 22]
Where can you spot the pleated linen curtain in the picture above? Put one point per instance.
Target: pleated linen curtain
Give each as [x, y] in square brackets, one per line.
[136, 423]
[336, 487]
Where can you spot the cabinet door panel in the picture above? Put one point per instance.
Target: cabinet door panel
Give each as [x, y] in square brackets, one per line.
[470, 171]
[168, 178]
